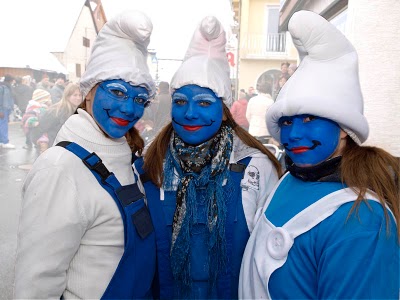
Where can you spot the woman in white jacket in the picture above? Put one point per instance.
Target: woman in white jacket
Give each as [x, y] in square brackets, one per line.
[80, 206]
[256, 110]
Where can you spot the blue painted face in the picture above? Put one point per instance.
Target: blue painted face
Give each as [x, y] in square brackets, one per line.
[117, 106]
[309, 140]
[196, 114]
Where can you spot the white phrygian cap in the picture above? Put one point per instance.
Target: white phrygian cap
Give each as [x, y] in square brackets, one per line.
[326, 84]
[205, 63]
[120, 52]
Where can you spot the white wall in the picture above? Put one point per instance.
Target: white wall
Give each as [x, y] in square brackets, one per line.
[374, 28]
[75, 53]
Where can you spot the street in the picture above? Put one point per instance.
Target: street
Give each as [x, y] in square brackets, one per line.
[14, 166]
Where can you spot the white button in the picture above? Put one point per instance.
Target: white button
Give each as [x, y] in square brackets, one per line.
[279, 243]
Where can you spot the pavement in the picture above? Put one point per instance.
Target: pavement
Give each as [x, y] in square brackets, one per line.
[14, 166]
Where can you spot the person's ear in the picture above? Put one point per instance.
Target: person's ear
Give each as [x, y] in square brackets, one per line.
[90, 96]
[343, 134]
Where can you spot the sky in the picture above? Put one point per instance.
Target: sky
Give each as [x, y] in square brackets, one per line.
[47, 24]
[31, 29]
[174, 21]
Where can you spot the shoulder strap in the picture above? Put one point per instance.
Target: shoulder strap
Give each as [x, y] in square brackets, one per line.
[240, 166]
[165, 280]
[91, 160]
[320, 210]
[106, 179]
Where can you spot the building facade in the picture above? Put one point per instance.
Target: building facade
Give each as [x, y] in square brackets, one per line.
[261, 46]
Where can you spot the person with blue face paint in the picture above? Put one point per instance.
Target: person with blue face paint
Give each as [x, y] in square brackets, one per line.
[205, 178]
[329, 229]
[309, 140]
[85, 231]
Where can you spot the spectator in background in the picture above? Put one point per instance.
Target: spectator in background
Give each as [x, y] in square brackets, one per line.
[57, 90]
[285, 68]
[238, 111]
[52, 120]
[23, 92]
[6, 107]
[251, 93]
[281, 82]
[44, 84]
[163, 112]
[40, 102]
[292, 69]
[256, 110]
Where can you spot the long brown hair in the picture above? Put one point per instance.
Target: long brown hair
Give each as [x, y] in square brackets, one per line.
[366, 167]
[64, 107]
[133, 137]
[155, 154]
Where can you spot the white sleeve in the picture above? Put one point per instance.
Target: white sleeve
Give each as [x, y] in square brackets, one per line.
[258, 182]
[51, 226]
[248, 110]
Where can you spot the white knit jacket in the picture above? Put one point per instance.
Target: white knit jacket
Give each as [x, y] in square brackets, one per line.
[70, 236]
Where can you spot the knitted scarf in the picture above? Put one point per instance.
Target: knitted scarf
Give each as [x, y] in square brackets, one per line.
[203, 166]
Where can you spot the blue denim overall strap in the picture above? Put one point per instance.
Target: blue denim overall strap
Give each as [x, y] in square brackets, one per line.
[236, 232]
[135, 272]
[164, 286]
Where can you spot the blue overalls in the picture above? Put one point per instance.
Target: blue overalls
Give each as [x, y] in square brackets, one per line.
[136, 270]
[237, 234]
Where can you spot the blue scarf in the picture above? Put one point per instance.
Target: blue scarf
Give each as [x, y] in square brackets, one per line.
[206, 166]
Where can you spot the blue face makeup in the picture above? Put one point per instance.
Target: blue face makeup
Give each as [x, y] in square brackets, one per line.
[196, 114]
[309, 140]
[117, 106]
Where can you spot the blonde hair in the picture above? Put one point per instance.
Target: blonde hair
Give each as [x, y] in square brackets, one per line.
[155, 154]
[64, 106]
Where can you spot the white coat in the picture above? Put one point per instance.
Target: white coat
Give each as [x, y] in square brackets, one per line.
[71, 235]
[255, 114]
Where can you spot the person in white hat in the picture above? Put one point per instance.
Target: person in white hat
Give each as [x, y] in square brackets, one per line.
[84, 231]
[328, 230]
[208, 177]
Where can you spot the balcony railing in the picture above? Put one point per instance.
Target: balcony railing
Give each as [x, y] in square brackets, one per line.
[264, 45]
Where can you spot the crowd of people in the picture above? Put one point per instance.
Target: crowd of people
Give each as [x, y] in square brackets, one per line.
[202, 210]
[26, 101]
[250, 108]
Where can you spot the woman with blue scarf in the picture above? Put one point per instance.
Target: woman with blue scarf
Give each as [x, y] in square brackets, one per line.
[205, 178]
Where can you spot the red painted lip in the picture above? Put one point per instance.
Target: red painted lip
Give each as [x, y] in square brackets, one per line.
[121, 122]
[299, 150]
[192, 128]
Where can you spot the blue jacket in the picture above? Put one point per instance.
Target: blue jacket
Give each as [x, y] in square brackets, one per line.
[6, 98]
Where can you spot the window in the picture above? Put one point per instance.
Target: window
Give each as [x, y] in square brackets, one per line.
[78, 70]
[272, 18]
[275, 41]
[86, 42]
[340, 21]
